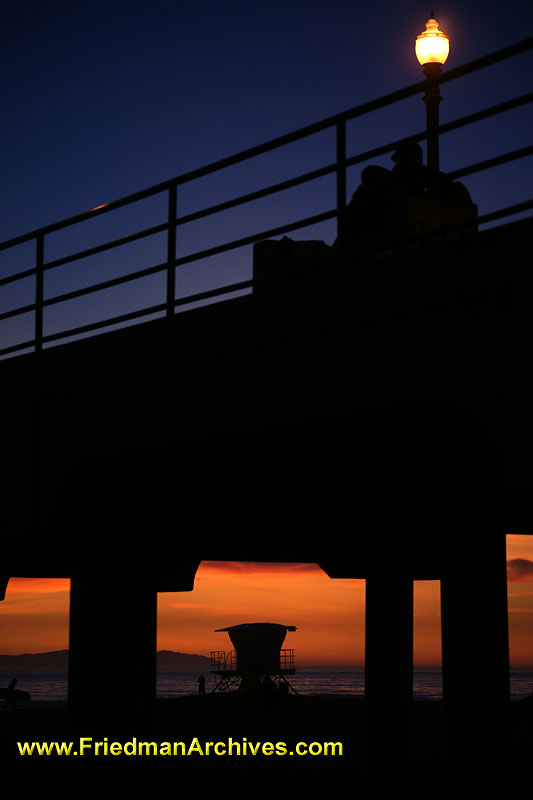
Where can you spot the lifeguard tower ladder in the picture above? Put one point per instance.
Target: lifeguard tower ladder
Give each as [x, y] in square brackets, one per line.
[256, 660]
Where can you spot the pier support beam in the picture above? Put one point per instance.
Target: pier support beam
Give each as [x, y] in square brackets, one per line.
[475, 651]
[388, 668]
[112, 658]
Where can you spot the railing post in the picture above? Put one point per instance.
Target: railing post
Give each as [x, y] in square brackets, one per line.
[341, 176]
[39, 291]
[171, 248]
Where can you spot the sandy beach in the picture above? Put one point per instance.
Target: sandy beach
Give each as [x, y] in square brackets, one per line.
[221, 717]
[225, 717]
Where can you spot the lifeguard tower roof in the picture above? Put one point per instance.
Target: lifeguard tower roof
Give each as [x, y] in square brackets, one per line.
[257, 626]
[258, 649]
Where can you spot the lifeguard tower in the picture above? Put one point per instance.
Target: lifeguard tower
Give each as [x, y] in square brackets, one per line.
[256, 660]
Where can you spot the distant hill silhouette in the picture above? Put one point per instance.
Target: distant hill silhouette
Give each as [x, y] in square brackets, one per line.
[167, 658]
[55, 658]
[59, 659]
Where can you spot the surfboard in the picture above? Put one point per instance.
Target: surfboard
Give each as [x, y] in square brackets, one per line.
[20, 696]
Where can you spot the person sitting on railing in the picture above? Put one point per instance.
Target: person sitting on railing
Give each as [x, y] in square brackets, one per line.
[405, 200]
[443, 201]
[367, 212]
[410, 176]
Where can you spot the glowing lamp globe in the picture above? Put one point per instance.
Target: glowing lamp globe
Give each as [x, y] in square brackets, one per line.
[432, 46]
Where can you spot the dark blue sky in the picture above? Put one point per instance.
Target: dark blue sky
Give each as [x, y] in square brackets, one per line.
[102, 99]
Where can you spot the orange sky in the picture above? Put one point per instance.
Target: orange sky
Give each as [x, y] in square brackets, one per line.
[329, 614]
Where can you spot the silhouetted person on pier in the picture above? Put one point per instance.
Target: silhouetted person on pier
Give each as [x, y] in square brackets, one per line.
[410, 176]
[10, 696]
[367, 212]
[201, 685]
[402, 200]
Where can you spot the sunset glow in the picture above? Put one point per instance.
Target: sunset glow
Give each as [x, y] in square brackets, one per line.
[520, 599]
[328, 614]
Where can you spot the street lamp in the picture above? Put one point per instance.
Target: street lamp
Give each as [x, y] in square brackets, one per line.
[432, 48]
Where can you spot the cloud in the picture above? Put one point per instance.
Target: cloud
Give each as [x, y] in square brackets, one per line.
[520, 569]
[37, 586]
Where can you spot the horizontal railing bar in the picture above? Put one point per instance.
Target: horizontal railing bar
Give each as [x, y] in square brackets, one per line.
[51, 337]
[505, 158]
[18, 276]
[88, 290]
[86, 215]
[212, 251]
[15, 312]
[491, 111]
[133, 315]
[98, 287]
[447, 229]
[364, 108]
[100, 248]
[499, 108]
[508, 211]
[221, 290]
[89, 252]
[14, 347]
[245, 198]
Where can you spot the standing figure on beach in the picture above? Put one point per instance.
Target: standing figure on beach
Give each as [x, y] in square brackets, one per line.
[201, 685]
[10, 696]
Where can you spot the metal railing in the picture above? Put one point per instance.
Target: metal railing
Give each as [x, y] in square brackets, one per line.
[286, 660]
[222, 661]
[174, 219]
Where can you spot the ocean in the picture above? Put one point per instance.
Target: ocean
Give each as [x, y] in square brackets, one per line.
[49, 684]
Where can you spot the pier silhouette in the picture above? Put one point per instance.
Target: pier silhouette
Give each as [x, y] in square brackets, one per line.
[366, 409]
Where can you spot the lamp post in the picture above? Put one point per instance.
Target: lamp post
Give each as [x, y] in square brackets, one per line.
[432, 48]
